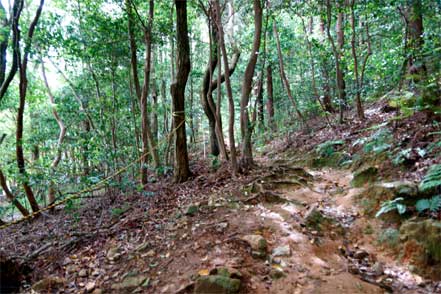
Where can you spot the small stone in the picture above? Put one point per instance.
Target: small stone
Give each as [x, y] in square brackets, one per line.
[360, 254]
[113, 254]
[257, 243]
[282, 251]
[378, 268]
[82, 273]
[90, 286]
[97, 291]
[150, 253]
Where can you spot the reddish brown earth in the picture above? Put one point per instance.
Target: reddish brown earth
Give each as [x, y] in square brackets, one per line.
[116, 236]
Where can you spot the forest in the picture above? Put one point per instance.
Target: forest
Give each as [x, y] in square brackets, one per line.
[220, 146]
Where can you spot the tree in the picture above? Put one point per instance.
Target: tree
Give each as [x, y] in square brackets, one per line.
[246, 160]
[229, 90]
[177, 89]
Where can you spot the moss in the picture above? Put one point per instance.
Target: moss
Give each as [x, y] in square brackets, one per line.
[364, 176]
[216, 284]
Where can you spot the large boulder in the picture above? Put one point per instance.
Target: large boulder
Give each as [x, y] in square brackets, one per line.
[422, 245]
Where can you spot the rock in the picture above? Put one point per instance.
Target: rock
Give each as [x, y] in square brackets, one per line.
[378, 268]
[90, 286]
[276, 272]
[364, 175]
[48, 283]
[257, 243]
[220, 227]
[130, 283]
[282, 251]
[150, 253]
[113, 254]
[191, 210]
[82, 273]
[97, 291]
[316, 221]
[216, 284]
[401, 188]
[361, 254]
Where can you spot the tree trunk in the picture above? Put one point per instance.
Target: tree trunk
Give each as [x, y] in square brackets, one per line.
[337, 54]
[61, 136]
[177, 89]
[360, 111]
[4, 39]
[206, 93]
[416, 67]
[10, 196]
[283, 76]
[229, 90]
[270, 94]
[246, 160]
[148, 143]
[23, 84]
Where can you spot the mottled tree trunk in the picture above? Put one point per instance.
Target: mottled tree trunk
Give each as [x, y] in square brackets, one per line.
[177, 89]
[229, 90]
[246, 160]
[270, 94]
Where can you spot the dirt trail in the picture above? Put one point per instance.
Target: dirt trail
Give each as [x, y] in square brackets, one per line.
[312, 213]
[315, 235]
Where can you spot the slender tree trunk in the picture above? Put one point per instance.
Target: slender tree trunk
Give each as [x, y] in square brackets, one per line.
[61, 136]
[148, 143]
[360, 111]
[246, 160]
[341, 72]
[228, 85]
[177, 89]
[4, 39]
[270, 94]
[206, 93]
[23, 84]
[10, 196]
[283, 75]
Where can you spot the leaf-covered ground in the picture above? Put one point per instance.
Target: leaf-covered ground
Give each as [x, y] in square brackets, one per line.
[314, 229]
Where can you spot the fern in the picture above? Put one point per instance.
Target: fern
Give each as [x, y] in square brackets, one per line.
[327, 148]
[392, 205]
[433, 204]
[432, 179]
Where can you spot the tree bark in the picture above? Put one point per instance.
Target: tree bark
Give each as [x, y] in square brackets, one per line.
[270, 93]
[246, 160]
[10, 196]
[177, 89]
[360, 111]
[23, 84]
[283, 75]
[61, 136]
[337, 55]
[229, 90]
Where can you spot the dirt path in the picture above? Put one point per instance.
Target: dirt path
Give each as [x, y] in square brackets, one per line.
[316, 242]
[314, 234]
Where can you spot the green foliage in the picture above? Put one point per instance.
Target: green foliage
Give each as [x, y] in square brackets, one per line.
[432, 204]
[391, 205]
[432, 179]
[328, 148]
[378, 142]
